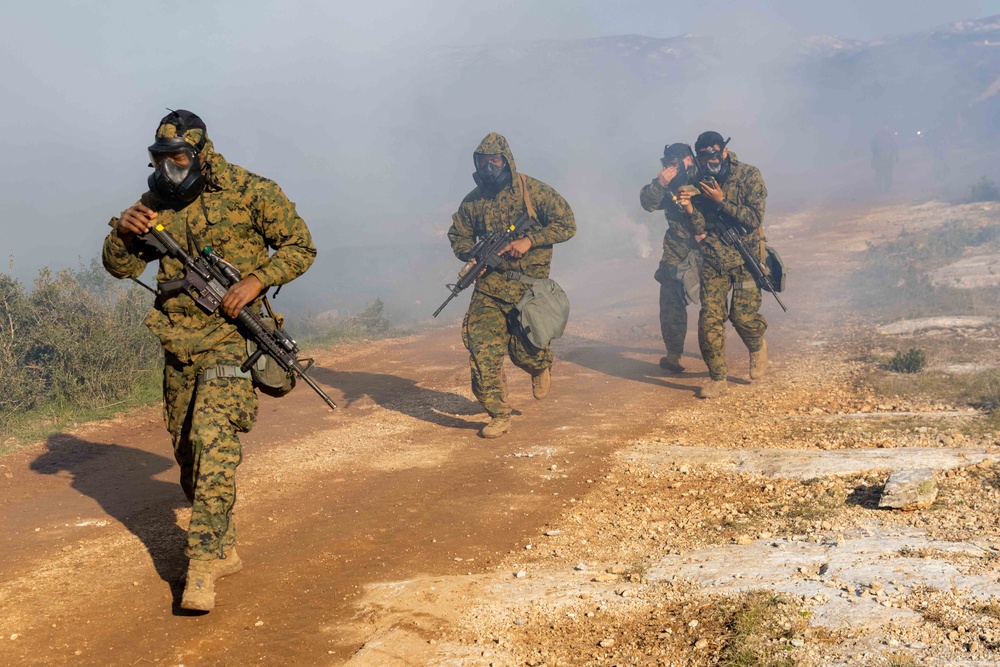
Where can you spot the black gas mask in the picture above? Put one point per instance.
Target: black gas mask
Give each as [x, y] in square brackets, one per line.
[492, 174]
[177, 169]
[174, 181]
[712, 163]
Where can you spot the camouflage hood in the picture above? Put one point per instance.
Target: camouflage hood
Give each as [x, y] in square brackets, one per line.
[493, 144]
[218, 168]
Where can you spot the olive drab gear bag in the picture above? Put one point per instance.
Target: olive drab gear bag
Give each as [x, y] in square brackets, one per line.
[687, 275]
[266, 374]
[543, 312]
[775, 268]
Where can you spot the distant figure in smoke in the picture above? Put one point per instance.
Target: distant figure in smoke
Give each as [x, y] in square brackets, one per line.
[885, 154]
[501, 197]
[678, 273]
[731, 194]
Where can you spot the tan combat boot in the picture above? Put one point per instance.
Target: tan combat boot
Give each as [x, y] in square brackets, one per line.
[540, 384]
[672, 363]
[199, 589]
[758, 362]
[497, 427]
[231, 564]
[713, 389]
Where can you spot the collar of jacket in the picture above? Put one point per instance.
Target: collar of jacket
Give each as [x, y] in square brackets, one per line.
[220, 177]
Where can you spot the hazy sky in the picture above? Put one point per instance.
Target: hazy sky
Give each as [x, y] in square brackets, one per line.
[287, 89]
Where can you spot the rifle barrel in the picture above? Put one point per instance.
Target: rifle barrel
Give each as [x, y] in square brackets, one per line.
[446, 302]
[316, 388]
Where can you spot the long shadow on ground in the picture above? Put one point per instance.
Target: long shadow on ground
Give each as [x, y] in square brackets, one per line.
[121, 480]
[616, 360]
[402, 395]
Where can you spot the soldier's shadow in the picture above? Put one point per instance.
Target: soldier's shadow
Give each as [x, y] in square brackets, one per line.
[121, 480]
[403, 395]
[616, 360]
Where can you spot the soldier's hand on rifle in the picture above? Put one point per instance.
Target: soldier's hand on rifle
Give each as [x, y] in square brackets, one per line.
[700, 237]
[137, 219]
[466, 269]
[713, 191]
[240, 294]
[667, 174]
[517, 248]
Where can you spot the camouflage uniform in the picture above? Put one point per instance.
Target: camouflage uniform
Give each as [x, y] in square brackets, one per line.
[723, 269]
[240, 215]
[678, 241]
[485, 331]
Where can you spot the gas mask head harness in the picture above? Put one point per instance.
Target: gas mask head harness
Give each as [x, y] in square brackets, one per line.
[710, 149]
[492, 171]
[177, 169]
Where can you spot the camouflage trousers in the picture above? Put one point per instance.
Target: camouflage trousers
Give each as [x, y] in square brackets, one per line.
[673, 315]
[489, 337]
[716, 286]
[203, 417]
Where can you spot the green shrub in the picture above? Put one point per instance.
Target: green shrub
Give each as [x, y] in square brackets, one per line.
[77, 341]
[913, 361]
[371, 321]
[984, 190]
[23, 384]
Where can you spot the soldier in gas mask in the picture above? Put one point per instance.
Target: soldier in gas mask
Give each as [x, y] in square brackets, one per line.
[681, 260]
[202, 200]
[731, 194]
[501, 197]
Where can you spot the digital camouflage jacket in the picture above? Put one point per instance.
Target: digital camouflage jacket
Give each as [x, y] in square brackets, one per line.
[744, 203]
[240, 215]
[480, 213]
[678, 239]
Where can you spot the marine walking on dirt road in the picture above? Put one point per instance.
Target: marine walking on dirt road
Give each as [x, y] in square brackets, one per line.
[730, 196]
[202, 200]
[491, 330]
[678, 272]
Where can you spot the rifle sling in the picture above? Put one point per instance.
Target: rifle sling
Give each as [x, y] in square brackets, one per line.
[527, 198]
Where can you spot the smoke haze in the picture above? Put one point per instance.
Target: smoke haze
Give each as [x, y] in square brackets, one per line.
[367, 115]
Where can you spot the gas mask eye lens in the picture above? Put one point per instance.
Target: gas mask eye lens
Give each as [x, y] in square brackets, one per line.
[483, 161]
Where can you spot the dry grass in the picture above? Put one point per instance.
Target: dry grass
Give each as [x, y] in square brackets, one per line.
[760, 626]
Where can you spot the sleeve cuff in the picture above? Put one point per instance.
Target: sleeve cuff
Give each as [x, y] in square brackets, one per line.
[657, 189]
[262, 277]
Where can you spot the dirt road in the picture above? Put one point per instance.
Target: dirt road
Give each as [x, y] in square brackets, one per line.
[394, 486]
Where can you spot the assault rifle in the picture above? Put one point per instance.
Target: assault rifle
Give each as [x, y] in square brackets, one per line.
[206, 279]
[730, 237]
[485, 255]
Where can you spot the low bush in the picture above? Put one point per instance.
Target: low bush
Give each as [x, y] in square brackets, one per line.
[984, 190]
[912, 361]
[76, 340]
